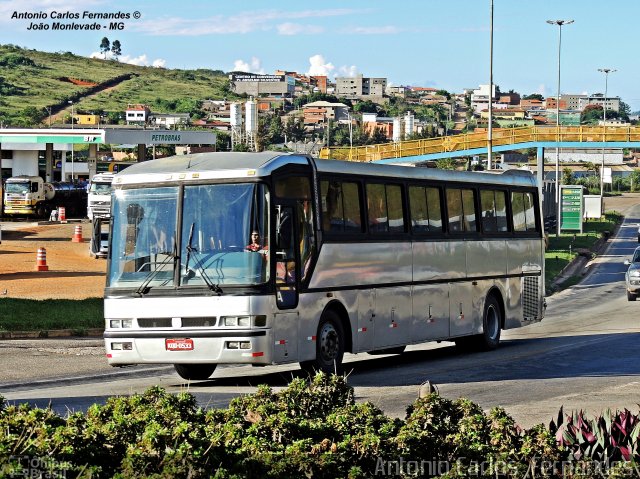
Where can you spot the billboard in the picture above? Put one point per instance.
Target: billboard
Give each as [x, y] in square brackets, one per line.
[253, 77]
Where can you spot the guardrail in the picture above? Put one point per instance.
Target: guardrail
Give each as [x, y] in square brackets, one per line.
[469, 141]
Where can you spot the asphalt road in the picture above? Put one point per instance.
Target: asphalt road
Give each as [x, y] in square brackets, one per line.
[583, 355]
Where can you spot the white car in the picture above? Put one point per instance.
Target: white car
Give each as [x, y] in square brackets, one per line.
[632, 277]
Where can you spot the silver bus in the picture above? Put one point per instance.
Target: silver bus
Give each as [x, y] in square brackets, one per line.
[270, 258]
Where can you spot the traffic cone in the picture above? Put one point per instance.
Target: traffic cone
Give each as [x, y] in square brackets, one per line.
[62, 214]
[77, 234]
[41, 260]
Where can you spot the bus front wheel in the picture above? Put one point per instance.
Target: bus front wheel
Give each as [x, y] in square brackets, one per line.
[329, 346]
[194, 372]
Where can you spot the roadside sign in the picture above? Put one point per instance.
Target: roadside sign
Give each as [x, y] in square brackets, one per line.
[571, 207]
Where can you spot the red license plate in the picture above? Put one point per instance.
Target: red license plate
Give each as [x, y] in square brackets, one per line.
[179, 344]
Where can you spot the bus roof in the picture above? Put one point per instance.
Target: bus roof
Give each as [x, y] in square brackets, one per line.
[510, 177]
[243, 165]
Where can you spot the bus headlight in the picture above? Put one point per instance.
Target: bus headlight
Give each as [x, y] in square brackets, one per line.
[237, 321]
[121, 323]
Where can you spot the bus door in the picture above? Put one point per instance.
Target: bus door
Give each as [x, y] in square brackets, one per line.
[286, 263]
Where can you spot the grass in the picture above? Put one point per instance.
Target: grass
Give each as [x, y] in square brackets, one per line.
[565, 248]
[39, 80]
[50, 314]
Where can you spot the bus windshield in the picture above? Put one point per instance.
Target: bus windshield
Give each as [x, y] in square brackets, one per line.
[100, 188]
[223, 230]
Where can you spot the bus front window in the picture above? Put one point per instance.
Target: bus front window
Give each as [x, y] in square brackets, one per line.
[143, 240]
[217, 243]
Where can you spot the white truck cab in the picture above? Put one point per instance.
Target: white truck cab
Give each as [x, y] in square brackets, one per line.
[99, 200]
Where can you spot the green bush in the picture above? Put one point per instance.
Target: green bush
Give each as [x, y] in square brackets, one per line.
[312, 428]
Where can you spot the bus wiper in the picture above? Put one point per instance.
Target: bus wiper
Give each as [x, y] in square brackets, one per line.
[190, 249]
[188, 274]
[144, 286]
[215, 287]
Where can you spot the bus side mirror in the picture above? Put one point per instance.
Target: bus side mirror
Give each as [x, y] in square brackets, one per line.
[135, 214]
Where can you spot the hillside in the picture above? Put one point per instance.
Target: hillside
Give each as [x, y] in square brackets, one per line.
[32, 81]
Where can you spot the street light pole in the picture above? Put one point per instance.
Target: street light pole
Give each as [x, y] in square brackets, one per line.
[72, 144]
[490, 130]
[560, 23]
[606, 72]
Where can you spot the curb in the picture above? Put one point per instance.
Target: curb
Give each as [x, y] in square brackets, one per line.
[53, 333]
[580, 264]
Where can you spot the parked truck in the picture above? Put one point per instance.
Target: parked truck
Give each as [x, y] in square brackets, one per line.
[32, 196]
[99, 200]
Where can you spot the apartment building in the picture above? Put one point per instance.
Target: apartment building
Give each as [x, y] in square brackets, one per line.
[360, 87]
[610, 102]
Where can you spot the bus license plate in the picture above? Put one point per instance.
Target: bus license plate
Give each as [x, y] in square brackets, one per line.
[179, 344]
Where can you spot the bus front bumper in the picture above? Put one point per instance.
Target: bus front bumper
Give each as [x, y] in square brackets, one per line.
[188, 347]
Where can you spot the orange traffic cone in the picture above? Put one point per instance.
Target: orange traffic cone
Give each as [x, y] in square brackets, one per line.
[41, 260]
[77, 234]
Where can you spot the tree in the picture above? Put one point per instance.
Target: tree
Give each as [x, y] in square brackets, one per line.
[624, 111]
[591, 115]
[378, 136]
[366, 106]
[444, 93]
[446, 164]
[275, 128]
[635, 180]
[116, 49]
[105, 46]
[567, 176]
[294, 129]
[533, 96]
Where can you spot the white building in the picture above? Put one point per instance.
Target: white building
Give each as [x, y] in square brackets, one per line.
[612, 156]
[170, 120]
[610, 102]
[480, 98]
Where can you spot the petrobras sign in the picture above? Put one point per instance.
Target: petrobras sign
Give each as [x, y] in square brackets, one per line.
[160, 137]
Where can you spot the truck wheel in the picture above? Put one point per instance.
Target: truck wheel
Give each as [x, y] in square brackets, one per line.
[329, 346]
[195, 372]
[631, 296]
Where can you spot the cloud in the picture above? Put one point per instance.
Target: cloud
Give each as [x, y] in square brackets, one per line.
[140, 60]
[348, 71]
[541, 89]
[244, 22]
[318, 66]
[253, 67]
[297, 28]
[387, 30]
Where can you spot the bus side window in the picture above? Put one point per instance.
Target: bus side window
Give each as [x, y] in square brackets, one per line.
[340, 204]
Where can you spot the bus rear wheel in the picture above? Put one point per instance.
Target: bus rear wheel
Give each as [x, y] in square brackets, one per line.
[195, 372]
[329, 346]
[491, 327]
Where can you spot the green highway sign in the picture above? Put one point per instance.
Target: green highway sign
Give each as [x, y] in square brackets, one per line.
[571, 207]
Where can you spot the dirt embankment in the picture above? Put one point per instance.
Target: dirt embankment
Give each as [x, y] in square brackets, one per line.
[72, 274]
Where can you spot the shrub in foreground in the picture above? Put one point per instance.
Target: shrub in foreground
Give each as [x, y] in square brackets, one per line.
[312, 428]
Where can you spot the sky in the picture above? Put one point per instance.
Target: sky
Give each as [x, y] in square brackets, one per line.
[430, 43]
